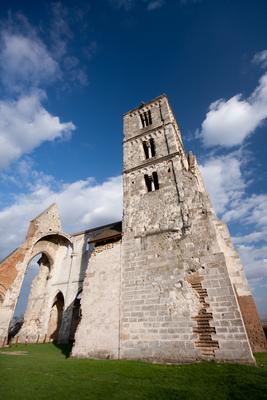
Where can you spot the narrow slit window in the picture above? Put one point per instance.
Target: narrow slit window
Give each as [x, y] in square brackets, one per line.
[148, 180]
[146, 118]
[152, 147]
[145, 147]
[155, 180]
[149, 117]
[143, 120]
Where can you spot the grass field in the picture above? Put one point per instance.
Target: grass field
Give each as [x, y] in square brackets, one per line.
[43, 372]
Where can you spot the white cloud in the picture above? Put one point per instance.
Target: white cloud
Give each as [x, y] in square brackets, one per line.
[62, 41]
[228, 190]
[82, 204]
[25, 124]
[229, 122]
[252, 237]
[25, 61]
[252, 210]
[223, 187]
[260, 58]
[254, 261]
[155, 4]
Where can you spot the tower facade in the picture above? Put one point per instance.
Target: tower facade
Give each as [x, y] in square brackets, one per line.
[178, 302]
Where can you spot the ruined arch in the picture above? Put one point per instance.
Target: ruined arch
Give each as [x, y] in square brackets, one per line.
[32, 299]
[55, 317]
[58, 238]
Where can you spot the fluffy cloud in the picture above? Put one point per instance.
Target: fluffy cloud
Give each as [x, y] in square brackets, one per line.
[229, 193]
[255, 262]
[223, 188]
[26, 65]
[260, 58]
[25, 124]
[25, 61]
[62, 42]
[155, 4]
[251, 210]
[252, 237]
[82, 204]
[229, 122]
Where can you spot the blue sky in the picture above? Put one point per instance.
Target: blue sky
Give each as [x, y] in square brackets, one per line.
[68, 73]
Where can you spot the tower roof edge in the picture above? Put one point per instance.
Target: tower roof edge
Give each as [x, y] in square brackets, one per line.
[163, 95]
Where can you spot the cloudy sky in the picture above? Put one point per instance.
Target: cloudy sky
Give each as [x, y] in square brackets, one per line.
[68, 73]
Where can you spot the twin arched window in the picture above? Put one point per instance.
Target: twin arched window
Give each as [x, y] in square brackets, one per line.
[149, 148]
[152, 182]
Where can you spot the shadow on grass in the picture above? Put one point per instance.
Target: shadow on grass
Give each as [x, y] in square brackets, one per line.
[65, 348]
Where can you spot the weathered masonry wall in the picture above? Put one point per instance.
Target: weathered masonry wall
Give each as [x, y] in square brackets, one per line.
[98, 332]
[246, 302]
[252, 323]
[178, 301]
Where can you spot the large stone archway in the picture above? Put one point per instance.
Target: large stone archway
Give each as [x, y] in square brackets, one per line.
[34, 324]
[52, 247]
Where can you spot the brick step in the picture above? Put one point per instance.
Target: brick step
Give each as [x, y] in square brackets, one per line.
[207, 351]
[204, 329]
[201, 345]
[204, 314]
[202, 323]
[207, 334]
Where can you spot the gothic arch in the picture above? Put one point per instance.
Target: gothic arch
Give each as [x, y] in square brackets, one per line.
[54, 235]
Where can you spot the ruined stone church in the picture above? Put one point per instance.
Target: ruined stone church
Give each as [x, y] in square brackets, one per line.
[165, 284]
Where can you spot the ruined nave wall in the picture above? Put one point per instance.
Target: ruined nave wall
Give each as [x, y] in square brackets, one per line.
[97, 335]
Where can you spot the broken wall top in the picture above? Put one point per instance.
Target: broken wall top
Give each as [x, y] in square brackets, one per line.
[48, 221]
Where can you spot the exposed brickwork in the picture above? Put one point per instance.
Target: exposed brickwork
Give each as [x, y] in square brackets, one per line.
[204, 331]
[253, 324]
[8, 271]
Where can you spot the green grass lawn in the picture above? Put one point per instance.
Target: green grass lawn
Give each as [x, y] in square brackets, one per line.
[44, 372]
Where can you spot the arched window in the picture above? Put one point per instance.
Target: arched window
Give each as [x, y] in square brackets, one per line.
[149, 148]
[152, 182]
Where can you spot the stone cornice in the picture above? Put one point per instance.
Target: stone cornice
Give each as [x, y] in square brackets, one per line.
[151, 162]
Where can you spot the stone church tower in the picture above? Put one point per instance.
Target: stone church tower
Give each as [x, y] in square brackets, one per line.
[165, 285]
[180, 273]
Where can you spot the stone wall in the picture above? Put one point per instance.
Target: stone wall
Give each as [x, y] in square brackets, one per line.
[97, 335]
[178, 301]
[253, 323]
